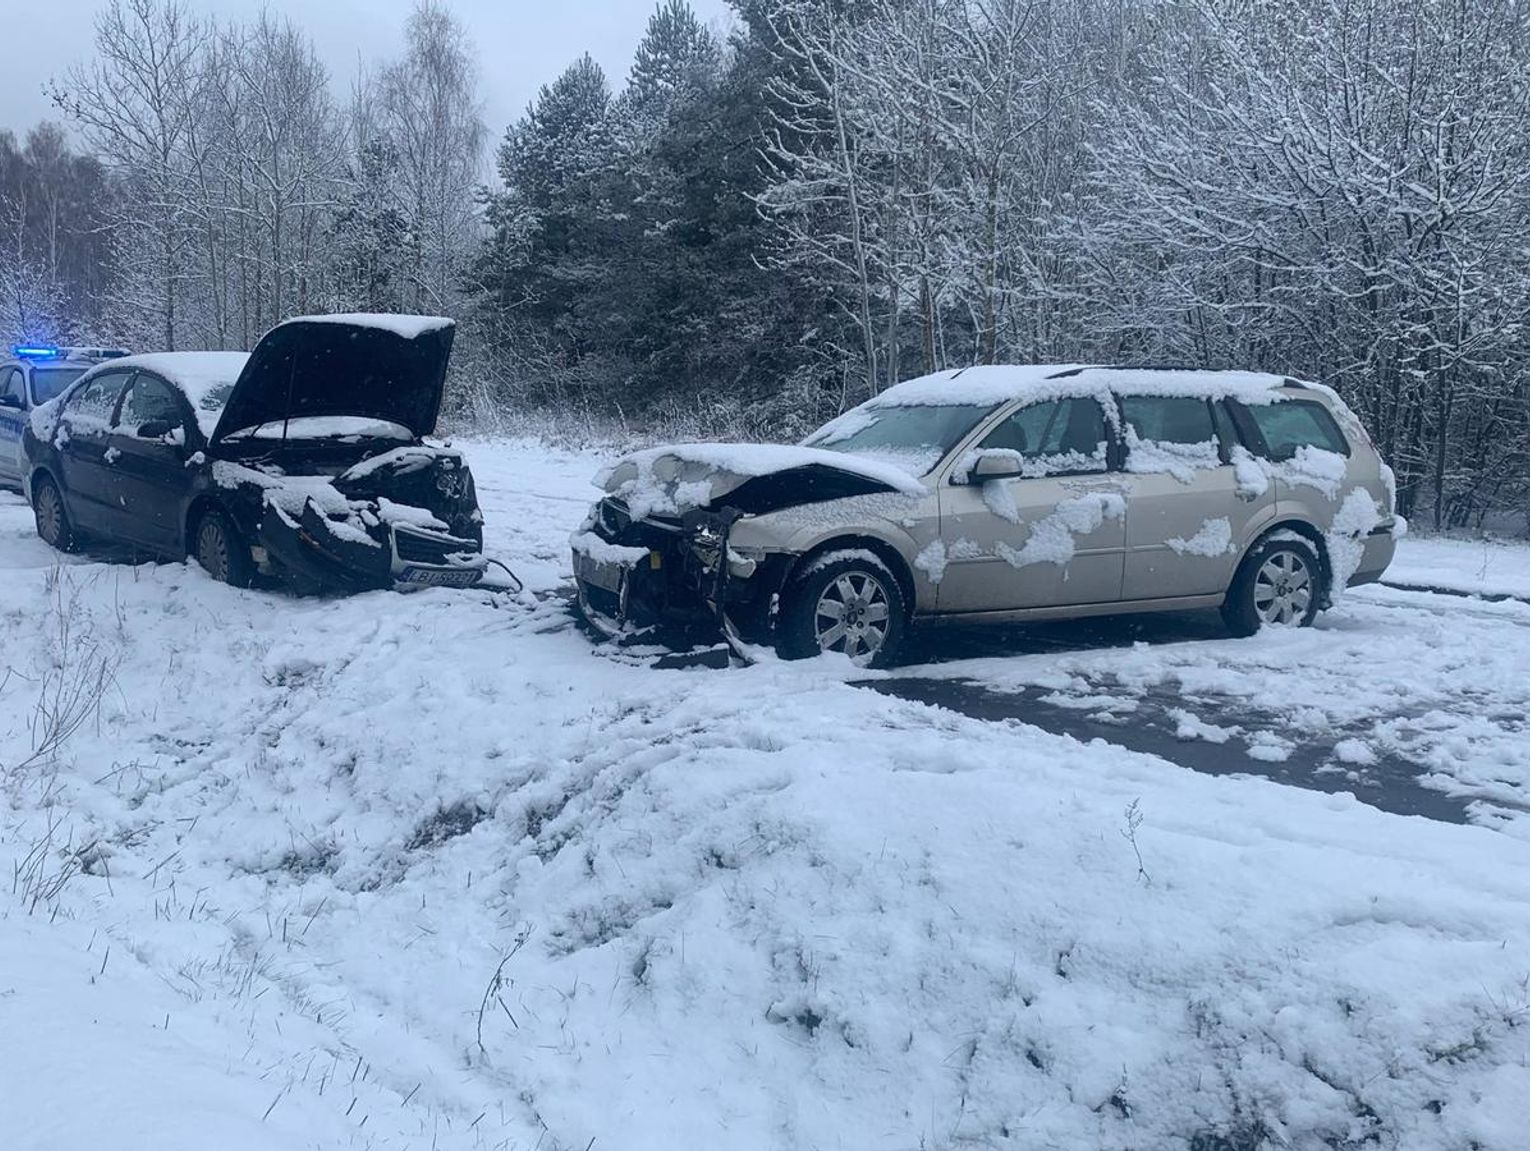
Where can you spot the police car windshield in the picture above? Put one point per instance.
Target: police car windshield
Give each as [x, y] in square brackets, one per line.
[49, 382]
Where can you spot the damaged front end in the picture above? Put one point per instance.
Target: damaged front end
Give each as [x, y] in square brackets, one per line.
[673, 578]
[405, 518]
[659, 555]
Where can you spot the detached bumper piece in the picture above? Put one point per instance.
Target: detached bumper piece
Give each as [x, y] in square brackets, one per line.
[673, 581]
[321, 554]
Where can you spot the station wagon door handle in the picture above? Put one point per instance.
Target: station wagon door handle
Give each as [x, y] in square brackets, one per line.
[1114, 487]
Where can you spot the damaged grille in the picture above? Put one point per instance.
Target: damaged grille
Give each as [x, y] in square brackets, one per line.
[422, 548]
[614, 520]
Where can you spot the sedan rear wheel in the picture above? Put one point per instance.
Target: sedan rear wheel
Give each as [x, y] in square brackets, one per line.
[53, 524]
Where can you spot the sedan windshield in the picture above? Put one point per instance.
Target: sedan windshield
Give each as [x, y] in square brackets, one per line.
[49, 382]
[914, 437]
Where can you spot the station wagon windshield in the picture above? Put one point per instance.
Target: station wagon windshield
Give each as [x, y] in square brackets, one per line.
[914, 437]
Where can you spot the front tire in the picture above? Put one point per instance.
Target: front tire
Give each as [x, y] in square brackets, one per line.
[849, 603]
[220, 551]
[53, 525]
[1280, 583]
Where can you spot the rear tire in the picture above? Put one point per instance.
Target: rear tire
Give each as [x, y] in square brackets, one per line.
[846, 602]
[53, 526]
[222, 554]
[1282, 582]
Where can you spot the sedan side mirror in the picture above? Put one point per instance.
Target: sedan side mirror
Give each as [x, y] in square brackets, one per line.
[154, 429]
[995, 464]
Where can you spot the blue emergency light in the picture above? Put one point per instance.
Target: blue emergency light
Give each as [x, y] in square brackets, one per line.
[36, 351]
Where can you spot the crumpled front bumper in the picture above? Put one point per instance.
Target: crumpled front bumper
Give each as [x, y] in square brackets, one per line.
[679, 581]
[313, 550]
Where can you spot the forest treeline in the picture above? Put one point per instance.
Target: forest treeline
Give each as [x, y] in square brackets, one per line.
[761, 224]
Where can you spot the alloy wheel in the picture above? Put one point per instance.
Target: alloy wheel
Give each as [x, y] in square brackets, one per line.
[50, 515]
[853, 616]
[212, 548]
[1283, 589]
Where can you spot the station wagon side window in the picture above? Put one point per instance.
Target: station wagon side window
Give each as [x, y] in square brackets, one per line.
[1292, 424]
[91, 408]
[1173, 434]
[150, 401]
[1057, 437]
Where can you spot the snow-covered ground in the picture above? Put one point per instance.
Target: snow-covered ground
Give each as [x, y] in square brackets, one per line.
[1390, 676]
[432, 871]
[1483, 567]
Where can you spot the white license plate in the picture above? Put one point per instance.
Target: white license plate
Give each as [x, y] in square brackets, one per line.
[465, 577]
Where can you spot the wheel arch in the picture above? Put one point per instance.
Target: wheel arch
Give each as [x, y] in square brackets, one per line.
[883, 550]
[1309, 532]
[40, 472]
[200, 505]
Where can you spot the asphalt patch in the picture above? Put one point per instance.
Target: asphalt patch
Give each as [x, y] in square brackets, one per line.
[1390, 784]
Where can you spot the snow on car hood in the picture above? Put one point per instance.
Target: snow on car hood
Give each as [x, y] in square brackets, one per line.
[677, 478]
[378, 367]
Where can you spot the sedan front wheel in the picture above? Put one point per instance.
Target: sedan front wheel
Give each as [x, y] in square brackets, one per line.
[221, 552]
[53, 524]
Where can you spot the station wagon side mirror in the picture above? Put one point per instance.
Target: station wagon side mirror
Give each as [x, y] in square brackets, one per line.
[996, 465]
[10, 401]
[154, 429]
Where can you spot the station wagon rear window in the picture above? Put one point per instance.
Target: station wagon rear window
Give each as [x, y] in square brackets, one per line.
[1293, 424]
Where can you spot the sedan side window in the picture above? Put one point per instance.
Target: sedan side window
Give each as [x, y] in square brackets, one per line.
[1059, 437]
[151, 403]
[91, 408]
[1173, 434]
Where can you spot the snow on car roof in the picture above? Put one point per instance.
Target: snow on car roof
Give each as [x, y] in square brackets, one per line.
[197, 374]
[991, 384]
[406, 326]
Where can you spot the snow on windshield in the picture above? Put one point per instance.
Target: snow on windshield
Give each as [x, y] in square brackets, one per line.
[912, 438]
[325, 428]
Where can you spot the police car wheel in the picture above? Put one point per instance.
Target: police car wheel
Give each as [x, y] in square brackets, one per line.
[52, 517]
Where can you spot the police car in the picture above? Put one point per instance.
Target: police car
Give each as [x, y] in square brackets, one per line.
[36, 374]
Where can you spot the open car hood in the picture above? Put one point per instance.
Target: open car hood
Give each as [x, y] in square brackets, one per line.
[752, 478]
[374, 366]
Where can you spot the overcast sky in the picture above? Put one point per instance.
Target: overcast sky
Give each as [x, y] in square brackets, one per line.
[522, 44]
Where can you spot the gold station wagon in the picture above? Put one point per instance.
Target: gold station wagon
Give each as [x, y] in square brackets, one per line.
[1000, 494]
